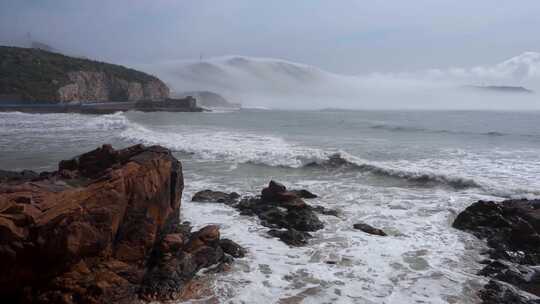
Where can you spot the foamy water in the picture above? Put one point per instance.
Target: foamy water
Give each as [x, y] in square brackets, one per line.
[410, 179]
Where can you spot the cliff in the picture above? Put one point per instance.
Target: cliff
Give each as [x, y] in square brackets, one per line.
[104, 228]
[39, 76]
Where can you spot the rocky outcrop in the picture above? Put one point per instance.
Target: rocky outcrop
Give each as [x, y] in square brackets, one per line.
[512, 231]
[104, 228]
[98, 86]
[38, 76]
[207, 196]
[289, 216]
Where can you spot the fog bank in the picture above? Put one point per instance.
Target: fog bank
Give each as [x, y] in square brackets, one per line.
[274, 83]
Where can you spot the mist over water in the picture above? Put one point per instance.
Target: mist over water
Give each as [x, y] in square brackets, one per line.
[274, 83]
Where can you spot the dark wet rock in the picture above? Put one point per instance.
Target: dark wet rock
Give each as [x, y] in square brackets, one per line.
[525, 277]
[274, 188]
[281, 214]
[303, 219]
[277, 193]
[369, 229]
[206, 196]
[232, 248]
[498, 293]
[278, 208]
[291, 236]
[303, 193]
[511, 229]
[325, 211]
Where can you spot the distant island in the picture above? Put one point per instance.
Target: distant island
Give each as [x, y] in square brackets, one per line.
[501, 89]
[33, 77]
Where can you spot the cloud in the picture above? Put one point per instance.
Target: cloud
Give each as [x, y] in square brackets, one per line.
[521, 70]
[348, 36]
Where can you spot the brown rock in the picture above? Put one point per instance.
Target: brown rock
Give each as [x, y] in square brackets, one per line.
[87, 234]
[208, 235]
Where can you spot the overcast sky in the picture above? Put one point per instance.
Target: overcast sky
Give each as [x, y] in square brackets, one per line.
[345, 36]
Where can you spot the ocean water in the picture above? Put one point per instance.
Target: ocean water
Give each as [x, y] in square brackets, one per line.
[407, 172]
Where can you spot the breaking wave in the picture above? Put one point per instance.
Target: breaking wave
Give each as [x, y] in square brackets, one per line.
[210, 144]
[341, 160]
[219, 145]
[50, 123]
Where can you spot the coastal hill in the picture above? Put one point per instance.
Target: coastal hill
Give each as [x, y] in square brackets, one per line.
[37, 76]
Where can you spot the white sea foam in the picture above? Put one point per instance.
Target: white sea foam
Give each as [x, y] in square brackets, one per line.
[219, 145]
[50, 123]
[210, 144]
[423, 260]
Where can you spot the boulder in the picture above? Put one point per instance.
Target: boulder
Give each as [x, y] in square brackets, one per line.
[232, 248]
[277, 208]
[96, 229]
[291, 236]
[369, 229]
[511, 228]
[209, 196]
[512, 231]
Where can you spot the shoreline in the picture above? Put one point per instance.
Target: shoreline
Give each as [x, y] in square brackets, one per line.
[103, 108]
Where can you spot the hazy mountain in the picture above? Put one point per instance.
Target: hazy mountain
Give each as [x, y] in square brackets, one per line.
[278, 83]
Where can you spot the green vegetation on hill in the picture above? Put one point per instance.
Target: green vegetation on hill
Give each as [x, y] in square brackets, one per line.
[36, 75]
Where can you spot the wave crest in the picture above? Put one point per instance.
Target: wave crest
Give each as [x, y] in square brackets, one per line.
[341, 160]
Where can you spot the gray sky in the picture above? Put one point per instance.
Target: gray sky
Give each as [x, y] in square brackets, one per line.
[345, 36]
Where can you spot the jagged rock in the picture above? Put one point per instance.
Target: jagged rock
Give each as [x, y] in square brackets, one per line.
[291, 236]
[524, 277]
[215, 196]
[232, 248]
[369, 229]
[498, 293]
[511, 229]
[104, 228]
[277, 208]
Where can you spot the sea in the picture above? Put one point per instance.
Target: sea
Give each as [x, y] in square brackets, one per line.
[407, 172]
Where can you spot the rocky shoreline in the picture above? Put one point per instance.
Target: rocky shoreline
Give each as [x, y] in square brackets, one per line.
[187, 104]
[104, 228]
[512, 231]
[290, 218]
